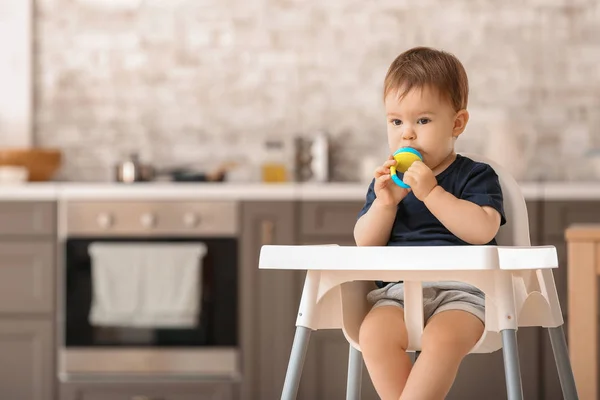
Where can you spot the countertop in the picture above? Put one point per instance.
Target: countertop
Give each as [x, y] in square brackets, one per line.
[254, 191]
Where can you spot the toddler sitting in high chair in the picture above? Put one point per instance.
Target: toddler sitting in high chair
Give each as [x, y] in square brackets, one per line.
[452, 200]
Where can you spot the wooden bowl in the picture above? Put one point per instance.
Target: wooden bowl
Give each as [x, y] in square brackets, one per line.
[41, 164]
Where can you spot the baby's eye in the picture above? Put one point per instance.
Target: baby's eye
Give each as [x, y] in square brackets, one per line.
[396, 122]
[424, 121]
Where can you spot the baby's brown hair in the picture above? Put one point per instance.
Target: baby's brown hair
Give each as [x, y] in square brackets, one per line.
[423, 66]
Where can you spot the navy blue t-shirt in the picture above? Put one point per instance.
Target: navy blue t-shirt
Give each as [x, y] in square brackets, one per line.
[466, 179]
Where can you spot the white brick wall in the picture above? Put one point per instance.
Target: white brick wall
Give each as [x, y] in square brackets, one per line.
[205, 80]
[15, 73]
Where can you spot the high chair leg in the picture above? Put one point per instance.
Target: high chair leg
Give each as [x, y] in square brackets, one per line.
[295, 364]
[563, 363]
[512, 370]
[355, 366]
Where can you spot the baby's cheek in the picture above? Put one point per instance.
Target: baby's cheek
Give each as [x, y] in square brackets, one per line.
[392, 143]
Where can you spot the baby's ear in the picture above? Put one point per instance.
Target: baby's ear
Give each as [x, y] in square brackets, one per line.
[460, 122]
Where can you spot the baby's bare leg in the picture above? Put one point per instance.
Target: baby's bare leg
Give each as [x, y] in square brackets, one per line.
[447, 339]
[383, 341]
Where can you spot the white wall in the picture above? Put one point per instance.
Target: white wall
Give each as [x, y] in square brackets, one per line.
[205, 80]
[15, 73]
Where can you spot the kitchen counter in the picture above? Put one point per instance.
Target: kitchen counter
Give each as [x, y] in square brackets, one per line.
[254, 191]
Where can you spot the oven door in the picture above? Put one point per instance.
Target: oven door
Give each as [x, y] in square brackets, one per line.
[207, 348]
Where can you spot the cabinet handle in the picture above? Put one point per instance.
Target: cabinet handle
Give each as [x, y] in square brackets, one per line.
[267, 228]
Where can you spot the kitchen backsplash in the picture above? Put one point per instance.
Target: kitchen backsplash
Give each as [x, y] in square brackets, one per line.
[188, 81]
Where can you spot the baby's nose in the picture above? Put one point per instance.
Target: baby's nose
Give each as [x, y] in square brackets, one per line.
[408, 133]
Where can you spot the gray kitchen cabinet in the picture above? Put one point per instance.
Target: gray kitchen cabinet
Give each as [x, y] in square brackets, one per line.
[326, 365]
[183, 390]
[267, 306]
[27, 276]
[27, 300]
[27, 218]
[328, 218]
[558, 215]
[26, 364]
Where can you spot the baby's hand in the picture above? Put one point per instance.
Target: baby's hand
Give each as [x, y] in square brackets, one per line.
[387, 192]
[420, 178]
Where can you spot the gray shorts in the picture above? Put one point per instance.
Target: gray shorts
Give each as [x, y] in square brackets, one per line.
[437, 297]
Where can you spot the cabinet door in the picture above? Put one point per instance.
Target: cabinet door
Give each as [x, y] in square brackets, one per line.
[27, 218]
[328, 218]
[326, 366]
[27, 277]
[147, 391]
[26, 364]
[268, 308]
[558, 215]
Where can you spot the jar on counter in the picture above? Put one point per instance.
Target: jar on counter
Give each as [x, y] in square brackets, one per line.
[274, 166]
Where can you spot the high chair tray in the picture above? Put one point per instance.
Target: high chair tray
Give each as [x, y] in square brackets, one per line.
[405, 258]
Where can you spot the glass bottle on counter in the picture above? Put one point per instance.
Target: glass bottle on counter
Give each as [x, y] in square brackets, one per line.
[274, 166]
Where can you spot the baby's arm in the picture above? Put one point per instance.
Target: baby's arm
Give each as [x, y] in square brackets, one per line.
[374, 227]
[468, 221]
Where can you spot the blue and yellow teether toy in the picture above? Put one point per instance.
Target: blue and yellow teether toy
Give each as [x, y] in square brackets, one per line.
[404, 157]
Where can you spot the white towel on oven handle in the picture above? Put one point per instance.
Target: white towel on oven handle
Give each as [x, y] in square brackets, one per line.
[146, 284]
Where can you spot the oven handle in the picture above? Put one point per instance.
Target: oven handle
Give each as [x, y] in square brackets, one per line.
[267, 228]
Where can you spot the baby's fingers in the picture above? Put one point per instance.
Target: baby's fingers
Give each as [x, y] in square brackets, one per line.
[382, 182]
[381, 171]
[389, 163]
[409, 178]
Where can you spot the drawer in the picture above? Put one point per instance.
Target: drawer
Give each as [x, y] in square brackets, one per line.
[27, 218]
[27, 271]
[329, 218]
[152, 218]
[559, 215]
[147, 391]
[27, 367]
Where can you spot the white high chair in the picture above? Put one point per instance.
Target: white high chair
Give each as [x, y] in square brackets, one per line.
[516, 278]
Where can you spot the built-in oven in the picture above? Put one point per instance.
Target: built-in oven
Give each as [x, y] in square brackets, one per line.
[124, 263]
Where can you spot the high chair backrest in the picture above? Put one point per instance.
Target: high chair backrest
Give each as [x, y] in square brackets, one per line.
[516, 230]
